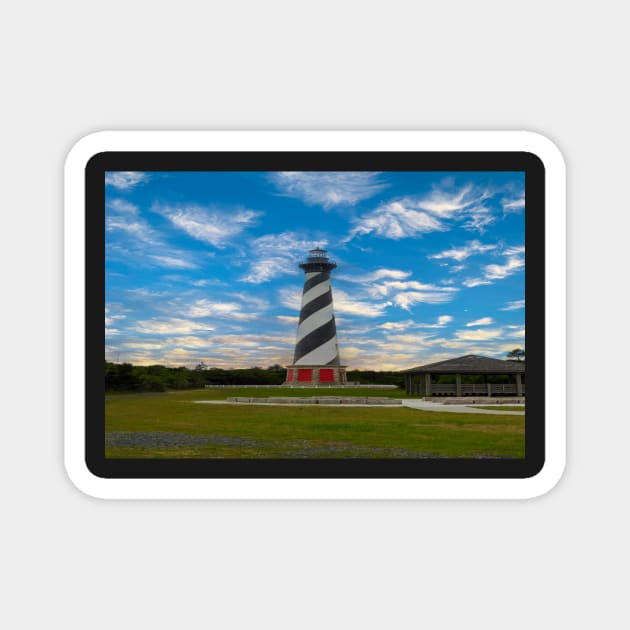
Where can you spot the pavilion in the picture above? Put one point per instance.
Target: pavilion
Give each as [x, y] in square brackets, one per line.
[422, 380]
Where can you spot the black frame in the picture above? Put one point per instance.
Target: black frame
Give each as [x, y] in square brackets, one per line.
[528, 163]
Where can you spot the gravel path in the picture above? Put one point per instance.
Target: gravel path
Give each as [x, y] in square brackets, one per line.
[297, 449]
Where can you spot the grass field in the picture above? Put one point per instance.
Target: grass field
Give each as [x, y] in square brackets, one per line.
[172, 425]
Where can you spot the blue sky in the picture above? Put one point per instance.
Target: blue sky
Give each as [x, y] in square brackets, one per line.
[204, 266]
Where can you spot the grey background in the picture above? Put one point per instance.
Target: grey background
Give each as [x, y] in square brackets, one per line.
[70, 68]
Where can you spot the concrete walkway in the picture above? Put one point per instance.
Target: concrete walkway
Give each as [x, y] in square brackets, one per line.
[406, 402]
[425, 405]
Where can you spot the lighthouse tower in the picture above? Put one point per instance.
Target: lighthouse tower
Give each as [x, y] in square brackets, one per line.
[316, 358]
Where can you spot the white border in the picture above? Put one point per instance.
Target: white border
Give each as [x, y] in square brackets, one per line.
[74, 300]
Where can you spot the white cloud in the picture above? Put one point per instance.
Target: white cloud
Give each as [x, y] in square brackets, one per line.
[444, 319]
[122, 206]
[275, 255]
[461, 253]
[172, 262]
[408, 340]
[478, 218]
[291, 298]
[478, 335]
[171, 326]
[396, 326]
[328, 189]
[124, 180]
[288, 319]
[519, 332]
[513, 306]
[110, 317]
[386, 288]
[514, 250]
[139, 345]
[444, 203]
[412, 216]
[209, 225]
[378, 274]
[344, 303]
[484, 321]
[475, 282]
[407, 299]
[455, 269]
[514, 204]
[208, 308]
[492, 272]
[395, 220]
[143, 244]
[137, 229]
[497, 272]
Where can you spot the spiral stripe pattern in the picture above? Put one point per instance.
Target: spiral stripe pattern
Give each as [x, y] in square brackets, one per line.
[316, 342]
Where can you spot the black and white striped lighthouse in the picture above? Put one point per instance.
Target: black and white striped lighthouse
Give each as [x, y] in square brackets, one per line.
[316, 358]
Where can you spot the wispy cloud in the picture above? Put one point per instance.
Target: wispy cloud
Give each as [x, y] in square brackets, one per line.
[390, 286]
[137, 229]
[478, 218]
[395, 220]
[274, 255]
[396, 326]
[328, 189]
[172, 262]
[465, 251]
[413, 216]
[513, 306]
[345, 303]
[446, 203]
[514, 204]
[514, 264]
[212, 308]
[210, 225]
[288, 319]
[497, 272]
[484, 321]
[142, 245]
[478, 335]
[170, 326]
[121, 206]
[124, 180]
[440, 322]
[407, 299]
[475, 282]
[378, 274]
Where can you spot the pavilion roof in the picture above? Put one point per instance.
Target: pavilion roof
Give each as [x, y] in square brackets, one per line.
[472, 364]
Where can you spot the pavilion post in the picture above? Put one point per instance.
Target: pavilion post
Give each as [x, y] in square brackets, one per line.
[458, 384]
[519, 385]
[427, 384]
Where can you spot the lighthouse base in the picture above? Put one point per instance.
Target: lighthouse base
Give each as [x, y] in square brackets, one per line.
[315, 375]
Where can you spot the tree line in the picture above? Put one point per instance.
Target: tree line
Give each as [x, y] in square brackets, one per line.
[125, 377]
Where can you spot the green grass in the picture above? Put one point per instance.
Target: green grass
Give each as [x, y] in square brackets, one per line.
[295, 392]
[255, 431]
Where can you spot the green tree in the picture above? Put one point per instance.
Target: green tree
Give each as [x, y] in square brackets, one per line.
[517, 353]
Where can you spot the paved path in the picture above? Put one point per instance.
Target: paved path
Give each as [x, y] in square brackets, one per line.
[406, 402]
[425, 405]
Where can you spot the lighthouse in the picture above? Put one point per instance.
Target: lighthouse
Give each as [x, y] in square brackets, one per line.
[316, 357]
